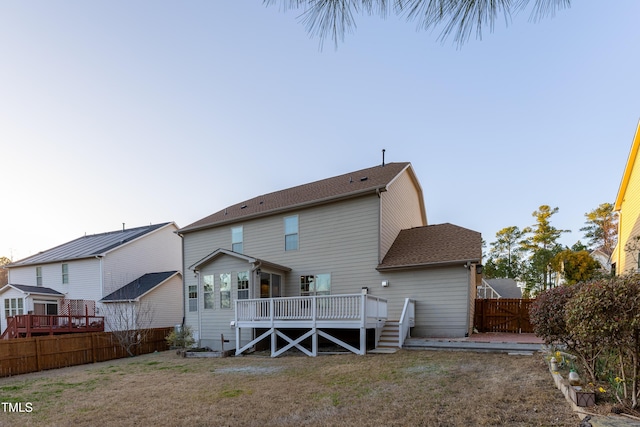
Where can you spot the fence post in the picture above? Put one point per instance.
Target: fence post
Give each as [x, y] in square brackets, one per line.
[37, 343]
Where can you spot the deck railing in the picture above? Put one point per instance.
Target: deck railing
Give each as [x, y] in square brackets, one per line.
[407, 320]
[351, 307]
[28, 324]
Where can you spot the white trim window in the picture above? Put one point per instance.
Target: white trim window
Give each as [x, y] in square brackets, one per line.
[207, 291]
[13, 307]
[315, 285]
[243, 285]
[193, 297]
[225, 290]
[237, 239]
[38, 276]
[65, 274]
[291, 241]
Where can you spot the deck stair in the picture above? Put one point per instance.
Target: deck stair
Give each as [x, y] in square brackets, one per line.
[11, 331]
[389, 338]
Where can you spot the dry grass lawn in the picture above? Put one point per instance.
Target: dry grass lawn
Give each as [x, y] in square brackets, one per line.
[409, 388]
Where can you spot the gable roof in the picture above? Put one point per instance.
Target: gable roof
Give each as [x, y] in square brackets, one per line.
[626, 176]
[139, 287]
[220, 252]
[506, 288]
[433, 246]
[29, 290]
[88, 246]
[343, 186]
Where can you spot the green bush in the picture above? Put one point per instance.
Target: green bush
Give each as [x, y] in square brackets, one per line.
[182, 338]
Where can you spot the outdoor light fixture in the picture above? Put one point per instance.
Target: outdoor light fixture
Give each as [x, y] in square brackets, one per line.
[385, 283]
[479, 268]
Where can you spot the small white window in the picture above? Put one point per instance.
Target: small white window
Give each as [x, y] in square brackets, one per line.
[193, 297]
[243, 285]
[225, 290]
[207, 292]
[65, 274]
[236, 239]
[39, 276]
[291, 233]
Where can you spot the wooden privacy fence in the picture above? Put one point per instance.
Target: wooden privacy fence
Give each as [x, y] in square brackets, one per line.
[24, 355]
[503, 315]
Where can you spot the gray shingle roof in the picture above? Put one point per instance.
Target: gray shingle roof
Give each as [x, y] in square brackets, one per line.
[27, 289]
[87, 246]
[433, 245]
[139, 287]
[507, 288]
[342, 186]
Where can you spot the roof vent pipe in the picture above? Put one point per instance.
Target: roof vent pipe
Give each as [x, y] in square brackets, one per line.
[383, 150]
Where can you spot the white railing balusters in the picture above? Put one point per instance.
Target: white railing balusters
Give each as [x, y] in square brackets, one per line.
[407, 320]
[325, 307]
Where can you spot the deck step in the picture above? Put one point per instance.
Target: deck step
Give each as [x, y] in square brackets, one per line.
[389, 336]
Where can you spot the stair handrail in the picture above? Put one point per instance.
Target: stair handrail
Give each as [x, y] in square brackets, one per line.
[10, 331]
[407, 320]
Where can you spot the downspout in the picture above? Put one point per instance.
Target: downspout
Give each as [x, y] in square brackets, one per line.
[199, 311]
[100, 259]
[252, 286]
[469, 266]
[256, 266]
[184, 287]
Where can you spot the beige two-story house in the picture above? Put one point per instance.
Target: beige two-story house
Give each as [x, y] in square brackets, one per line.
[335, 261]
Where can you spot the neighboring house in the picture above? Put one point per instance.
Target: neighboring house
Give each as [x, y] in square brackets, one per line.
[626, 255]
[604, 259]
[94, 272]
[336, 259]
[499, 288]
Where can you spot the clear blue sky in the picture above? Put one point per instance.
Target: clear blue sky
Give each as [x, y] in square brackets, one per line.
[151, 111]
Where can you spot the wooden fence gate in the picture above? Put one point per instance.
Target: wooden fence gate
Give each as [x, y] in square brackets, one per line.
[503, 315]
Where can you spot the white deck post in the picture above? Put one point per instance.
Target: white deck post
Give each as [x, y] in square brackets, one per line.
[363, 325]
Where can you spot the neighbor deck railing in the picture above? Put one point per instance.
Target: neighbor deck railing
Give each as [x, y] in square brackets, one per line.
[29, 324]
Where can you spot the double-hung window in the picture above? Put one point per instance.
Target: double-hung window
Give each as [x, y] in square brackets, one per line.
[236, 239]
[315, 285]
[243, 285]
[39, 276]
[65, 274]
[291, 233]
[207, 291]
[13, 307]
[225, 290]
[193, 297]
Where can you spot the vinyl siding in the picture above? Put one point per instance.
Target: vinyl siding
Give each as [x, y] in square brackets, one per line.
[154, 252]
[401, 209]
[339, 238]
[442, 299]
[216, 321]
[166, 301]
[160, 308]
[326, 234]
[629, 221]
[84, 278]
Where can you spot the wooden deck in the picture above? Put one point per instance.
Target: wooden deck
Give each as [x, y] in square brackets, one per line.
[29, 325]
[316, 314]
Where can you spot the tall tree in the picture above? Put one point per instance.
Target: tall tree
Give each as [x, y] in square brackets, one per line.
[505, 252]
[602, 228]
[542, 244]
[4, 275]
[462, 18]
